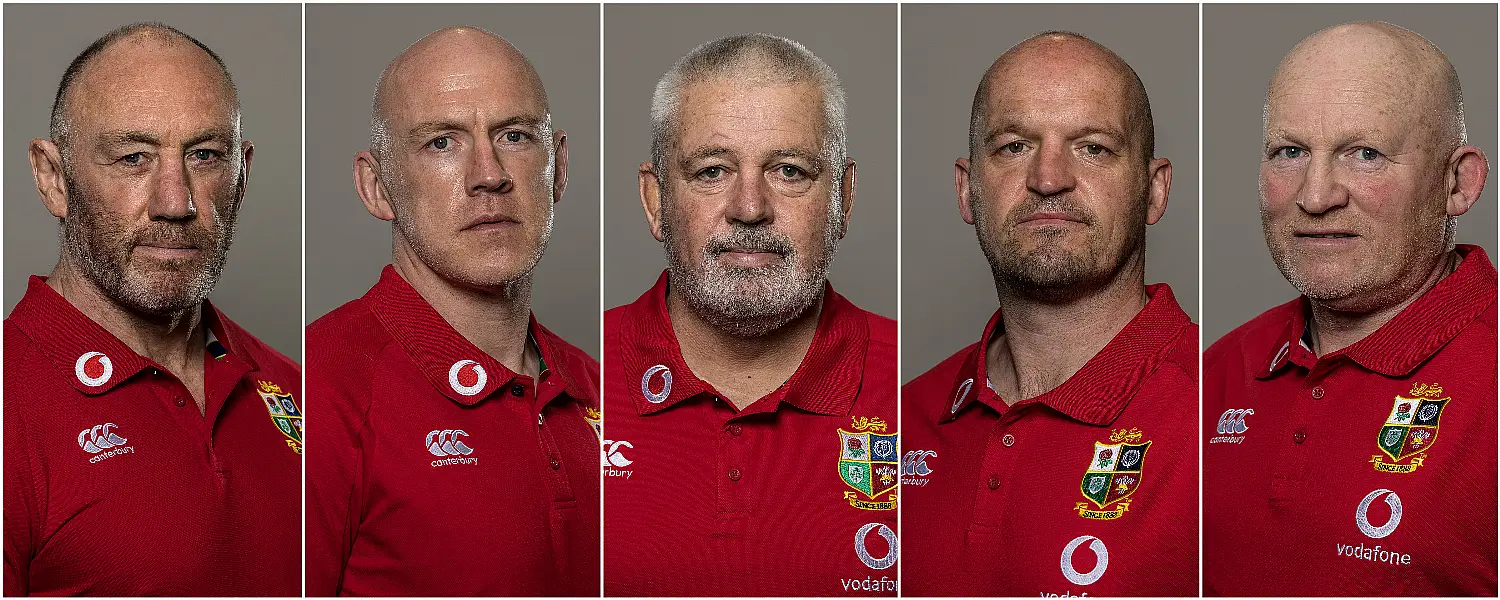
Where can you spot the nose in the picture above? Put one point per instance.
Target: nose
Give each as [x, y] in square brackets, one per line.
[1051, 171]
[172, 196]
[1321, 191]
[750, 201]
[486, 174]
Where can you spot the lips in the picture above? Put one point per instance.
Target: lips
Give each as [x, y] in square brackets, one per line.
[490, 221]
[1050, 216]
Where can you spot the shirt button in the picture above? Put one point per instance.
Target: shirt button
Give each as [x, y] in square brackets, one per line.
[735, 430]
[518, 390]
[180, 401]
[994, 482]
[1300, 436]
[1009, 440]
[734, 474]
[556, 464]
[1317, 393]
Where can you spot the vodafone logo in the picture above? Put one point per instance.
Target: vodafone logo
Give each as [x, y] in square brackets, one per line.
[863, 552]
[963, 392]
[93, 369]
[1362, 519]
[1101, 555]
[467, 377]
[666, 384]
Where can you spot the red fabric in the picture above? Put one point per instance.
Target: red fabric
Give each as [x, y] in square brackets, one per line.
[510, 508]
[1282, 497]
[165, 501]
[704, 500]
[994, 495]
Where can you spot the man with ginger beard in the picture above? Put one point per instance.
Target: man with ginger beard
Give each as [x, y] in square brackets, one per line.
[139, 459]
[752, 431]
[1324, 471]
[459, 454]
[1056, 455]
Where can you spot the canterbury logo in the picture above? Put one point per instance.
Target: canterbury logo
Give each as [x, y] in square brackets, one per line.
[612, 456]
[445, 442]
[99, 438]
[1233, 421]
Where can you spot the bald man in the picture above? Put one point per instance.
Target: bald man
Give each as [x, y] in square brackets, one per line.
[1056, 455]
[139, 459]
[1324, 471]
[459, 451]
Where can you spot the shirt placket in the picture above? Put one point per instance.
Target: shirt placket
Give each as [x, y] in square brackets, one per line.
[1000, 459]
[1306, 401]
[198, 427]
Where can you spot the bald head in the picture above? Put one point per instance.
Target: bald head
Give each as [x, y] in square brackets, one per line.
[447, 60]
[1386, 65]
[1061, 54]
[138, 50]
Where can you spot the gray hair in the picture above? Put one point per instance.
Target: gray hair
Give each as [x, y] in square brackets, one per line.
[758, 58]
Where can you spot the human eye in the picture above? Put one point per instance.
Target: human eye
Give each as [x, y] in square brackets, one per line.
[443, 142]
[1288, 152]
[204, 155]
[515, 137]
[713, 173]
[790, 172]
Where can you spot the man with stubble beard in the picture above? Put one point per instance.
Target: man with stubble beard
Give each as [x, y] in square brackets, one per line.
[139, 459]
[1056, 455]
[458, 453]
[752, 432]
[1324, 471]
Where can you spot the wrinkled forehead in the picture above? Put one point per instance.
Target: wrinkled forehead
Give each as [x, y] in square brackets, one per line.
[152, 85]
[449, 83]
[724, 111]
[1090, 83]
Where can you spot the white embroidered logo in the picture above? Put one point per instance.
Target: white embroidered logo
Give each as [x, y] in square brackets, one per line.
[883, 562]
[666, 387]
[93, 369]
[963, 392]
[101, 441]
[467, 370]
[1363, 521]
[1101, 553]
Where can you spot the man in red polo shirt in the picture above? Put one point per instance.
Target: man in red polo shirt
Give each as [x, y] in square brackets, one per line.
[1056, 455]
[459, 451]
[152, 446]
[1324, 472]
[752, 422]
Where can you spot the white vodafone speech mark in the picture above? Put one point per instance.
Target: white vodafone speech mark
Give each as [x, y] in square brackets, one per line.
[1363, 520]
[666, 386]
[1100, 552]
[963, 392]
[480, 378]
[83, 361]
[884, 562]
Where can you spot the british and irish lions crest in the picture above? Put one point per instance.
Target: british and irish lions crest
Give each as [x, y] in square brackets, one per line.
[1113, 474]
[868, 463]
[284, 413]
[1410, 430]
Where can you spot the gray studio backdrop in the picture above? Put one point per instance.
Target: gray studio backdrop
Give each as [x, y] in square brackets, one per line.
[348, 45]
[1243, 44]
[947, 292]
[642, 41]
[261, 288]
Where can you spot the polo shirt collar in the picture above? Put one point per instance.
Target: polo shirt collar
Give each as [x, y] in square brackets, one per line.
[96, 361]
[1101, 389]
[1413, 336]
[451, 363]
[826, 382]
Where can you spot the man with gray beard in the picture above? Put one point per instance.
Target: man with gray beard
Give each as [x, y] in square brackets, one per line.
[1067, 429]
[139, 459]
[741, 379]
[459, 451]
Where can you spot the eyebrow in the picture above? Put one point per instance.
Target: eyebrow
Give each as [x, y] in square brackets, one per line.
[426, 128]
[686, 162]
[1115, 134]
[110, 138]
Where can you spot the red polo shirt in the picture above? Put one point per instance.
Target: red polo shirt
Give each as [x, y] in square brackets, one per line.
[1088, 489]
[439, 472]
[794, 495]
[115, 484]
[1328, 476]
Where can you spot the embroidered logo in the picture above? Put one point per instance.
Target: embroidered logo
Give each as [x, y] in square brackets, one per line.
[963, 392]
[868, 463]
[1410, 430]
[103, 442]
[615, 460]
[861, 549]
[595, 417]
[449, 448]
[1114, 473]
[1101, 555]
[93, 369]
[1362, 519]
[467, 377]
[914, 469]
[1232, 426]
[284, 413]
[666, 384]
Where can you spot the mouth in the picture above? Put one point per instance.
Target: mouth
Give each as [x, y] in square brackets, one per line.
[168, 250]
[1324, 235]
[1050, 219]
[491, 223]
[749, 257]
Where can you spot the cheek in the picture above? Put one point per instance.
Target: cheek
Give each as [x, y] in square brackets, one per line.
[1278, 191]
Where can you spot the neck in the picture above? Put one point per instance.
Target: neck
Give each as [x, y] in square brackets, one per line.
[1334, 329]
[494, 319]
[1045, 342]
[742, 368]
[174, 341]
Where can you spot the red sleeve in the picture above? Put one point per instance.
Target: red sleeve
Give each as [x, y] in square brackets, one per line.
[18, 497]
[336, 438]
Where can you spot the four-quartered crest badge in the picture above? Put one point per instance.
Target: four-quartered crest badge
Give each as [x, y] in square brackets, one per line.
[1411, 429]
[1114, 473]
[284, 413]
[868, 463]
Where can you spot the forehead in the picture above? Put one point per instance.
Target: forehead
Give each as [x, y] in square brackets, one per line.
[1057, 85]
[1368, 90]
[151, 85]
[454, 82]
[749, 115]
